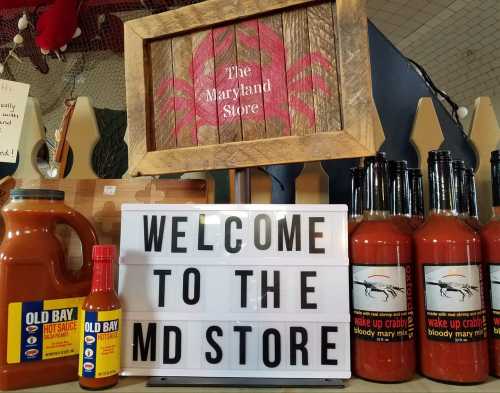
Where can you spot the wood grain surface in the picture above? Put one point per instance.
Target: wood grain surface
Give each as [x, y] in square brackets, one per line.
[426, 135]
[162, 85]
[100, 200]
[184, 104]
[206, 14]
[355, 74]
[31, 137]
[485, 137]
[324, 67]
[253, 124]
[137, 80]
[272, 59]
[298, 72]
[354, 385]
[207, 122]
[82, 136]
[225, 82]
[294, 39]
[253, 153]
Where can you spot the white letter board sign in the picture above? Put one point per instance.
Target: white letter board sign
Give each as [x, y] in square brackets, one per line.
[256, 291]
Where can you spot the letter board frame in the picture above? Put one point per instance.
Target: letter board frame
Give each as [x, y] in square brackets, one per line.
[299, 285]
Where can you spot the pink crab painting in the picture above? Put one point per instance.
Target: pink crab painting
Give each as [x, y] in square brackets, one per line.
[259, 88]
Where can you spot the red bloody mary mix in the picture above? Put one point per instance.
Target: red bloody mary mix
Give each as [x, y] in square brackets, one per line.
[490, 238]
[452, 325]
[382, 291]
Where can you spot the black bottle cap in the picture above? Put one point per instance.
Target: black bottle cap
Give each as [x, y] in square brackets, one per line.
[33, 193]
[416, 192]
[356, 203]
[376, 184]
[459, 186]
[442, 194]
[495, 177]
[495, 156]
[435, 155]
[399, 188]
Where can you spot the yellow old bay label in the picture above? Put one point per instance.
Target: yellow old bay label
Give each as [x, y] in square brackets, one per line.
[44, 329]
[100, 344]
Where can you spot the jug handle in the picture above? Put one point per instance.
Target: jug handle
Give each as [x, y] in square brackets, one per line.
[87, 236]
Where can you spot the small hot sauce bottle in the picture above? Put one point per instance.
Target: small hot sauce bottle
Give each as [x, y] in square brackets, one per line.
[471, 195]
[399, 195]
[417, 212]
[490, 240]
[99, 362]
[356, 202]
[382, 291]
[451, 311]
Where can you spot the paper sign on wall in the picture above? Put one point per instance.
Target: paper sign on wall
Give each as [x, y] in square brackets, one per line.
[235, 291]
[13, 98]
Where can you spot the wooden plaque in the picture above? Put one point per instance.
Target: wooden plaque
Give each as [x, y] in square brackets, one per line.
[241, 83]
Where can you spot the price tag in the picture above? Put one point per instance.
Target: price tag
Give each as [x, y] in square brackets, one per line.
[13, 98]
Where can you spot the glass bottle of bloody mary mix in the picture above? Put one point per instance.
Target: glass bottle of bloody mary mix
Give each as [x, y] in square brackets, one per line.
[417, 212]
[399, 195]
[490, 240]
[471, 200]
[100, 335]
[356, 206]
[453, 345]
[382, 292]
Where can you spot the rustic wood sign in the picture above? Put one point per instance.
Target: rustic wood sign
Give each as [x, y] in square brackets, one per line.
[231, 84]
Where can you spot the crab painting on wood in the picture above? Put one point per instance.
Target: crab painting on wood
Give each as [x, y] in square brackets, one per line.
[234, 84]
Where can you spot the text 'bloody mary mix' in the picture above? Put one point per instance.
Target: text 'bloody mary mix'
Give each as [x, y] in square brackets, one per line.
[382, 291]
[451, 314]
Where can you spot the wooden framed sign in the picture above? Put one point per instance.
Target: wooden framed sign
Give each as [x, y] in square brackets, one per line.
[255, 291]
[241, 83]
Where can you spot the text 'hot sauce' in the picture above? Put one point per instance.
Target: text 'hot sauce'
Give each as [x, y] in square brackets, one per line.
[451, 314]
[490, 239]
[382, 292]
[100, 342]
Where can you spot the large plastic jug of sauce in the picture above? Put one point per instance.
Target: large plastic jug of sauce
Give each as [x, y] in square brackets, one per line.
[40, 297]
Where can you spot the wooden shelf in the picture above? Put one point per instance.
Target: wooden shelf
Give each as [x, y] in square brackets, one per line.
[419, 384]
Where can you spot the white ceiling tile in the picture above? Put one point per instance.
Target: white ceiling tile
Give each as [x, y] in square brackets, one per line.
[456, 41]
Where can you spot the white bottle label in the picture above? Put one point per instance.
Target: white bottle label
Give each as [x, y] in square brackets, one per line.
[454, 303]
[382, 302]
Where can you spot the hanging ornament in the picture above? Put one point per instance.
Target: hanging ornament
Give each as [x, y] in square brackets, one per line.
[18, 39]
[23, 22]
[462, 112]
[57, 26]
